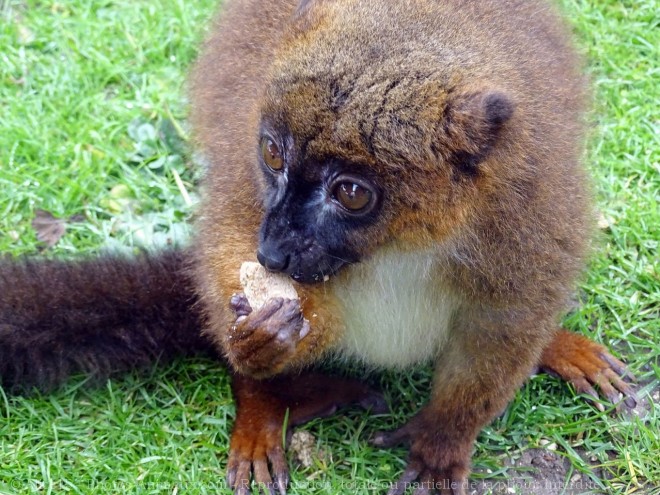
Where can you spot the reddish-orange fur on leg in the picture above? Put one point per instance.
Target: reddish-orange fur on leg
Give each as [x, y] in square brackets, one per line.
[261, 411]
[583, 363]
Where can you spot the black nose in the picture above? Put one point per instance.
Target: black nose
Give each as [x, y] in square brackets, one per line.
[273, 260]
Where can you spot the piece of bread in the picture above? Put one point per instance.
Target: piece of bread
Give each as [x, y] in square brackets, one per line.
[260, 285]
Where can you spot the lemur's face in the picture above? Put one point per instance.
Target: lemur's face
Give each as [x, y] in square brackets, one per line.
[359, 148]
[318, 212]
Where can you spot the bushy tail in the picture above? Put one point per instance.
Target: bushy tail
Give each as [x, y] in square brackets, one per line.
[95, 316]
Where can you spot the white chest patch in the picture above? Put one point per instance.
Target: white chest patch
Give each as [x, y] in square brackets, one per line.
[396, 314]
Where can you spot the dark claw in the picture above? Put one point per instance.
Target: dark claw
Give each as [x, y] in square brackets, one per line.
[422, 490]
[616, 365]
[238, 477]
[611, 394]
[232, 470]
[304, 330]
[630, 397]
[239, 471]
[231, 477]
[282, 482]
[582, 386]
[379, 439]
[279, 469]
[375, 402]
[409, 475]
[387, 439]
[549, 371]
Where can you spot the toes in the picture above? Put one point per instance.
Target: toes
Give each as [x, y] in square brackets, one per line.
[409, 475]
[374, 402]
[425, 480]
[279, 469]
[232, 469]
[619, 384]
[280, 319]
[613, 386]
[607, 376]
[241, 470]
[585, 363]
[426, 485]
[238, 477]
[387, 439]
[615, 364]
[269, 309]
[242, 490]
[262, 476]
[582, 386]
[290, 309]
[606, 388]
[240, 305]
[422, 489]
[292, 324]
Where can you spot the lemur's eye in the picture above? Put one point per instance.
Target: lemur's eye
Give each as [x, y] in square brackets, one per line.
[271, 154]
[352, 196]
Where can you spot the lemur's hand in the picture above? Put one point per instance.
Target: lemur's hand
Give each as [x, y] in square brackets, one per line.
[262, 342]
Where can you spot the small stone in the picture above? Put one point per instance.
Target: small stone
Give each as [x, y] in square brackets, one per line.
[303, 448]
[604, 222]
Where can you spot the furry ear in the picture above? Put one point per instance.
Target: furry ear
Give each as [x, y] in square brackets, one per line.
[473, 122]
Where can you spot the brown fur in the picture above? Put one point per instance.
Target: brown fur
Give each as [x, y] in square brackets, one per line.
[264, 406]
[95, 316]
[470, 115]
[470, 112]
[514, 234]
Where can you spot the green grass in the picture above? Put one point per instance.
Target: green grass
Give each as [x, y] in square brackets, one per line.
[92, 122]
